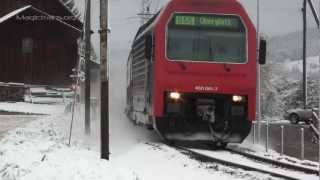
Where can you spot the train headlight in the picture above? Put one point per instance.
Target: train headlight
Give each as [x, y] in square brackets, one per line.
[175, 95]
[236, 98]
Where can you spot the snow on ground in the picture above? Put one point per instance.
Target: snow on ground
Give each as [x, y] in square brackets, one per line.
[235, 158]
[162, 162]
[8, 122]
[40, 151]
[29, 108]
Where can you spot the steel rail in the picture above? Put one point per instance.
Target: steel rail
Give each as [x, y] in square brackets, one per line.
[276, 163]
[207, 158]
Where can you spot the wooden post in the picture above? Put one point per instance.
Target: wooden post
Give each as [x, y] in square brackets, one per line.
[87, 38]
[104, 79]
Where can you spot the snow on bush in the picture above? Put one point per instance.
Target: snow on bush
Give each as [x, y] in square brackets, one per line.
[282, 86]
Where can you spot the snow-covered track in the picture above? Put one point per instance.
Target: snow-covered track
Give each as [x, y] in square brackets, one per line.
[276, 163]
[249, 164]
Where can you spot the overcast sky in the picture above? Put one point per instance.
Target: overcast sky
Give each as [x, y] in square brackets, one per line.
[279, 16]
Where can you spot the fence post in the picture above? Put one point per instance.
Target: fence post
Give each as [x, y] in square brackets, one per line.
[302, 143]
[267, 136]
[282, 134]
[254, 133]
[319, 157]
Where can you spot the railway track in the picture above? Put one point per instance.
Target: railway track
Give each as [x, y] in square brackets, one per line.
[300, 168]
[250, 163]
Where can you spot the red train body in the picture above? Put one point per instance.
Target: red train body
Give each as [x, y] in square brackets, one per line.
[195, 57]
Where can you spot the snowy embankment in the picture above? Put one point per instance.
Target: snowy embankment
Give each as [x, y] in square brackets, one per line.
[239, 159]
[260, 151]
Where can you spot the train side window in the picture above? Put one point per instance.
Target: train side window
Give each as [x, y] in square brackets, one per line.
[149, 46]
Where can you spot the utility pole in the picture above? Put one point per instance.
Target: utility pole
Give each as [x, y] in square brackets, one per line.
[259, 72]
[316, 18]
[87, 38]
[304, 69]
[104, 79]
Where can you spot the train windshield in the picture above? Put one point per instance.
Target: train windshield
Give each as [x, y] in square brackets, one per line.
[213, 38]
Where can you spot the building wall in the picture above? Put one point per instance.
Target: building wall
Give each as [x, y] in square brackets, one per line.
[54, 52]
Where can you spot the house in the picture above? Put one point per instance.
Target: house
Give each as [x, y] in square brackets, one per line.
[38, 42]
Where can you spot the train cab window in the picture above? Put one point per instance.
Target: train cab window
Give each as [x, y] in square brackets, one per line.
[214, 38]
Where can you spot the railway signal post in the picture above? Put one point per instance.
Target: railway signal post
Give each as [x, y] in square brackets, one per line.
[104, 79]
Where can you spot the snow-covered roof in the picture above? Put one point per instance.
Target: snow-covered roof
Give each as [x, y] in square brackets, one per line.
[29, 7]
[13, 13]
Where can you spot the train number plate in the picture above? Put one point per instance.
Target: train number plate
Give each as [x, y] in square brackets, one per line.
[206, 88]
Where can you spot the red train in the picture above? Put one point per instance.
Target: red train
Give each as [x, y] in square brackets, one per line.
[192, 72]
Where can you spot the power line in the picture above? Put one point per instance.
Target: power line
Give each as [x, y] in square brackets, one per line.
[145, 12]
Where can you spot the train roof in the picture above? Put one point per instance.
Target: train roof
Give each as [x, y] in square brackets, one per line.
[228, 3]
[148, 23]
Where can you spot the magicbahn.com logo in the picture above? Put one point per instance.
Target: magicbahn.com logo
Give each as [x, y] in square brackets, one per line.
[44, 18]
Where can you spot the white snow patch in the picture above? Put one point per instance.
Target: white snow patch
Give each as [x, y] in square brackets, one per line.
[158, 162]
[13, 13]
[40, 151]
[38, 90]
[28, 108]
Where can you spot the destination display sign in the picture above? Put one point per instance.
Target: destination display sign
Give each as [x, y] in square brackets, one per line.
[213, 21]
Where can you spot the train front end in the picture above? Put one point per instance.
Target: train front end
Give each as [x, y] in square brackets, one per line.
[205, 71]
